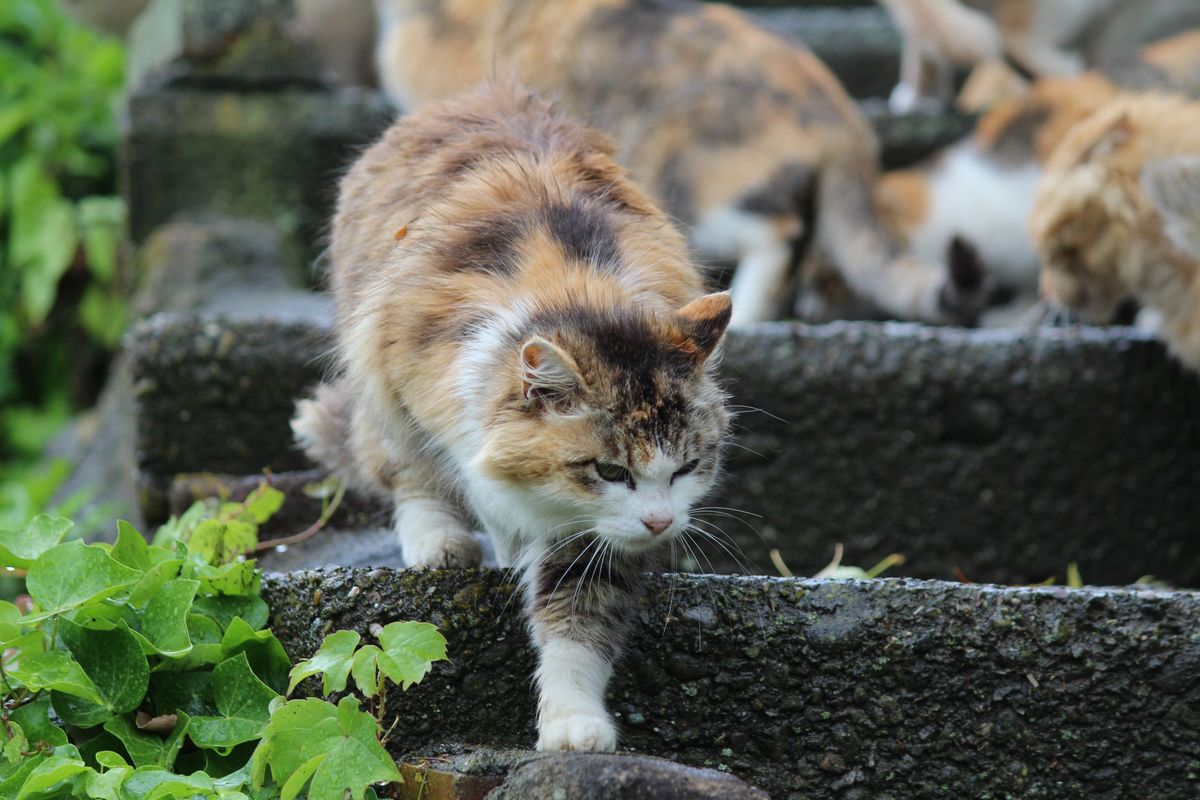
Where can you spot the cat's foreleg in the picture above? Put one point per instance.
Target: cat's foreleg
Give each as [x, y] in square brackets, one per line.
[581, 604]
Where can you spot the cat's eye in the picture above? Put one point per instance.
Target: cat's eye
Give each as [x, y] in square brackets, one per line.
[612, 472]
[686, 469]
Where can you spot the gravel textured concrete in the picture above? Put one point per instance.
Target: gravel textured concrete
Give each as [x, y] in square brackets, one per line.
[822, 689]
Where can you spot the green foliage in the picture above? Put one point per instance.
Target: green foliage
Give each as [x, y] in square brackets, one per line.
[62, 281]
[144, 671]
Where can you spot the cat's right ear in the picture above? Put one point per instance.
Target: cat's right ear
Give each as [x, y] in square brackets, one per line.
[1108, 140]
[548, 373]
[702, 324]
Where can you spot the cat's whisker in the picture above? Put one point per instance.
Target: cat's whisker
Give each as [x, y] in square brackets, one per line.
[725, 515]
[755, 409]
[731, 549]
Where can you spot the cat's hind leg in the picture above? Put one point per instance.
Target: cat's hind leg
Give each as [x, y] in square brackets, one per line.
[431, 530]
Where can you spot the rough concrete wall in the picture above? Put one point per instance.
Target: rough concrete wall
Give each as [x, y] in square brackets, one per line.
[1004, 455]
[824, 689]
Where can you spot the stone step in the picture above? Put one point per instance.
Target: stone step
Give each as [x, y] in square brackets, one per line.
[860, 45]
[994, 456]
[822, 689]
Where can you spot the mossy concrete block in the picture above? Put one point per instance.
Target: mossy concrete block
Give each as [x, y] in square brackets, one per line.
[860, 45]
[266, 156]
[223, 43]
[217, 394]
[1006, 455]
[1002, 455]
[821, 689]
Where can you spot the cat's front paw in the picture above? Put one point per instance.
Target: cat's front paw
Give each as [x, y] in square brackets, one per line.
[585, 732]
[442, 550]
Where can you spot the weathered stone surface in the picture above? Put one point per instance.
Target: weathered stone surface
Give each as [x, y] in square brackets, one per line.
[219, 42]
[823, 689]
[860, 45]
[213, 395]
[477, 773]
[1004, 455]
[905, 139]
[265, 156]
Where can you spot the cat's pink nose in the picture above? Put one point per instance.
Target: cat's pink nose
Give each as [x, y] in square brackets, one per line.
[657, 525]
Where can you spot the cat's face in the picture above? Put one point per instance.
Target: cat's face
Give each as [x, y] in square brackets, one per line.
[616, 426]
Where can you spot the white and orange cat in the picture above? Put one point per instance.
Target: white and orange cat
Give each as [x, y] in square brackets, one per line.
[971, 203]
[525, 348]
[1037, 38]
[744, 137]
[1117, 215]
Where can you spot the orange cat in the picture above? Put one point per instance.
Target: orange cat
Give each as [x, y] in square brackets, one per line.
[525, 347]
[1117, 212]
[743, 136]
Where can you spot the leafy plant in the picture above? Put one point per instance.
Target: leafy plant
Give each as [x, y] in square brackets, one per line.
[62, 281]
[145, 671]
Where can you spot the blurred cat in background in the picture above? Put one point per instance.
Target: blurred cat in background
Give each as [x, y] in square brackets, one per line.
[1117, 213]
[745, 137]
[1037, 38]
[971, 203]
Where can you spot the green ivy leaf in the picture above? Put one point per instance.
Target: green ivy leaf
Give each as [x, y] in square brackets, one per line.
[164, 622]
[409, 650]
[189, 692]
[20, 548]
[333, 658]
[148, 750]
[262, 503]
[243, 704]
[34, 719]
[71, 574]
[10, 621]
[223, 608]
[15, 742]
[58, 671]
[56, 770]
[265, 653]
[117, 666]
[153, 783]
[238, 578]
[152, 581]
[342, 740]
[13, 776]
[107, 785]
[221, 542]
[365, 670]
[132, 550]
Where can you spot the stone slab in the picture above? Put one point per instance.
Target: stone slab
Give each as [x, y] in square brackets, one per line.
[994, 456]
[822, 689]
[267, 156]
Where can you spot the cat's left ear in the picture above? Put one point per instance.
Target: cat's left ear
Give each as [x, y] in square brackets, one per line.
[702, 323]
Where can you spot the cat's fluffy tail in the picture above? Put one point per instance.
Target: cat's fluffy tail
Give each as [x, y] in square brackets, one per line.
[873, 263]
[322, 428]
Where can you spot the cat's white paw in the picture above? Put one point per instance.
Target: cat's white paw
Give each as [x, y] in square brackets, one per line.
[585, 732]
[452, 549]
[903, 99]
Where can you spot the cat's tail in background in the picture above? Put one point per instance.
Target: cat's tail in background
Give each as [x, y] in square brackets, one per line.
[873, 262]
[322, 426]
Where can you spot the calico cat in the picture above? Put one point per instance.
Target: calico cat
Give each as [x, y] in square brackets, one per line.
[526, 347]
[1116, 214]
[971, 203]
[746, 138]
[1037, 38]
